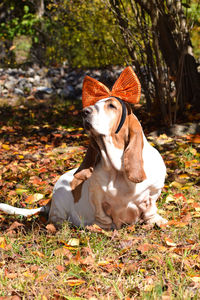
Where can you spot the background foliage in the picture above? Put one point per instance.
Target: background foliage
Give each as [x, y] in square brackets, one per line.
[153, 36]
[79, 33]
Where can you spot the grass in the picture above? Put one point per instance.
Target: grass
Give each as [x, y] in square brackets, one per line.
[137, 262]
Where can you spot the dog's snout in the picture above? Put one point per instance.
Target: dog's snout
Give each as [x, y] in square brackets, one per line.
[86, 112]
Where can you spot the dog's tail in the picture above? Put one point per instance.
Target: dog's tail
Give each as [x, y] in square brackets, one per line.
[11, 210]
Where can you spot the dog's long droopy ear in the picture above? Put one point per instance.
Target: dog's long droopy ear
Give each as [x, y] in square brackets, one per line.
[85, 170]
[133, 160]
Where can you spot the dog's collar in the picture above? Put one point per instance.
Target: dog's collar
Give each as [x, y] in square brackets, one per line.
[123, 116]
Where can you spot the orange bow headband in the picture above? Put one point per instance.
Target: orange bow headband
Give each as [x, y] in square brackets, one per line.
[127, 87]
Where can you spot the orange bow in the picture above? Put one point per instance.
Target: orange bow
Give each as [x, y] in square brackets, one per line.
[127, 87]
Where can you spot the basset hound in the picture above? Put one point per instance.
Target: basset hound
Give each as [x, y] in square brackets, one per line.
[121, 176]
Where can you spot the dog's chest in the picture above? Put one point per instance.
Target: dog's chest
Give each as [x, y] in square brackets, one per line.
[112, 183]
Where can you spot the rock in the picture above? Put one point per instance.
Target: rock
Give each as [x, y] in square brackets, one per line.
[178, 130]
[45, 89]
[18, 92]
[53, 81]
[36, 79]
[43, 92]
[30, 72]
[65, 93]
[10, 84]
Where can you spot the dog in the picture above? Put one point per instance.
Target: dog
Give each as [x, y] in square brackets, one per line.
[121, 176]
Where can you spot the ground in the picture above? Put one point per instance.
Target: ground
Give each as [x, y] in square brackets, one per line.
[40, 141]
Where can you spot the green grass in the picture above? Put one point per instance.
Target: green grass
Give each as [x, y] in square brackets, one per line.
[139, 262]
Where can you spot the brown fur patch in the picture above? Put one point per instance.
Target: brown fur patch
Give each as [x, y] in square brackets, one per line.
[85, 170]
[77, 189]
[121, 215]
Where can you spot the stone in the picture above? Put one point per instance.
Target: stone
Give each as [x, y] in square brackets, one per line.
[18, 92]
[10, 84]
[43, 82]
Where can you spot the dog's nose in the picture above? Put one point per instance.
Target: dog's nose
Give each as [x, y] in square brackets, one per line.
[86, 112]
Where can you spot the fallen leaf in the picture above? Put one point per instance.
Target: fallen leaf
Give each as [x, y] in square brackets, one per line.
[170, 243]
[73, 242]
[75, 282]
[145, 247]
[15, 225]
[176, 184]
[97, 229]
[42, 277]
[103, 263]
[60, 268]
[194, 138]
[180, 196]
[11, 275]
[184, 176]
[34, 198]
[29, 275]
[177, 223]
[34, 268]
[51, 228]
[3, 243]
[21, 191]
[5, 147]
[38, 253]
[170, 198]
[195, 278]
[63, 252]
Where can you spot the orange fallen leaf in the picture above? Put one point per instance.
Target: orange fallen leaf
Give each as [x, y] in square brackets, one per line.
[44, 139]
[10, 275]
[34, 198]
[42, 277]
[51, 228]
[178, 224]
[97, 229]
[38, 253]
[75, 282]
[145, 247]
[60, 268]
[34, 268]
[63, 252]
[180, 196]
[194, 138]
[44, 202]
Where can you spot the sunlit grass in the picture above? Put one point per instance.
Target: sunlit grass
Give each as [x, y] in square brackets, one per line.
[138, 262]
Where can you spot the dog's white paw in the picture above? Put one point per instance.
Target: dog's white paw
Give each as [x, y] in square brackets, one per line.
[157, 219]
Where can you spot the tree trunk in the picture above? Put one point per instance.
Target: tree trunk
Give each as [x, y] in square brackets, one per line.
[167, 52]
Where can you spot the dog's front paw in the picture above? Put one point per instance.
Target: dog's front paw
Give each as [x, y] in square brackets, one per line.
[157, 219]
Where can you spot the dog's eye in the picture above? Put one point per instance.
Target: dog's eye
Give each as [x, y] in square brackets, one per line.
[112, 106]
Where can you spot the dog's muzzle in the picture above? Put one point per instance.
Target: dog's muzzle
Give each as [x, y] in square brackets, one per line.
[86, 115]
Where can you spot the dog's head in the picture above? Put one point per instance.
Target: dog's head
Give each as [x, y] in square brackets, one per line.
[103, 117]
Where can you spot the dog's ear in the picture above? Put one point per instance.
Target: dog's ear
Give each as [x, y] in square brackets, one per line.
[85, 170]
[133, 160]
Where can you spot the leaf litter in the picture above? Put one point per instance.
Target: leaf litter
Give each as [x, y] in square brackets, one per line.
[74, 263]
